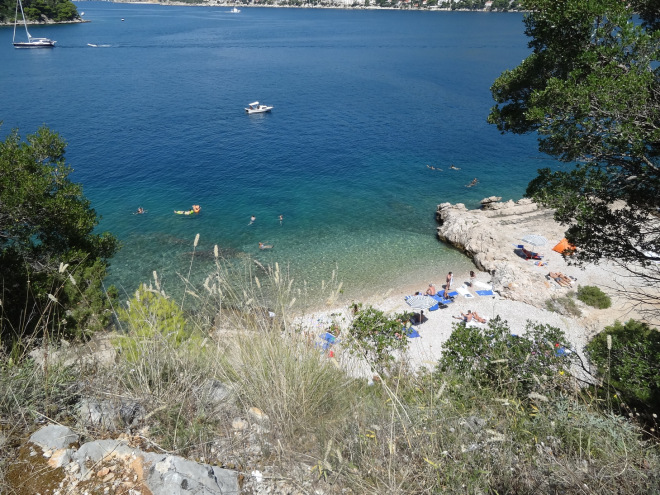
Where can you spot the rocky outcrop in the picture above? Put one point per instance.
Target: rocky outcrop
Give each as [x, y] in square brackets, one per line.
[117, 466]
[489, 235]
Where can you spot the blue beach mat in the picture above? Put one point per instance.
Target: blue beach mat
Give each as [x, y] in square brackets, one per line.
[412, 333]
[441, 300]
[435, 307]
[485, 292]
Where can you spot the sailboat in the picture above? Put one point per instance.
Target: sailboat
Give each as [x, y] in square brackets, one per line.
[32, 42]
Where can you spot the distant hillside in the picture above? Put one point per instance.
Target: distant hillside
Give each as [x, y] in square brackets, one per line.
[40, 10]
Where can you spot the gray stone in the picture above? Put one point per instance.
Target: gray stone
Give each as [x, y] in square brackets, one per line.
[98, 414]
[131, 414]
[173, 475]
[217, 392]
[54, 437]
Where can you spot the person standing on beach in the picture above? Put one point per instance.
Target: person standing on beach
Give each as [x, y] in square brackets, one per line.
[450, 280]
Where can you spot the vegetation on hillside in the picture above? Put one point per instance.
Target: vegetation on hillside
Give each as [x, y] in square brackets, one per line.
[499, 413]
[39, 10]
[591, 90]
[53, 263]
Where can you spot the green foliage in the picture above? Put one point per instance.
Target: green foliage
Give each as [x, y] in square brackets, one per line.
[509, 363]
[564, 305]
[632, 365]
[375, 336]
[150, 315]
[593, 296]
[591, 90]
[53, 262]
[36, 10]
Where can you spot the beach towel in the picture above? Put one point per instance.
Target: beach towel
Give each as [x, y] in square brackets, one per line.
[441, 300]
[483, 285]
[453, 294]
[464, 292]
[412, 333]
[434, 307]
[485, 292]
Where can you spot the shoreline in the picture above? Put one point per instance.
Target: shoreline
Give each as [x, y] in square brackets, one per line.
[517, 302]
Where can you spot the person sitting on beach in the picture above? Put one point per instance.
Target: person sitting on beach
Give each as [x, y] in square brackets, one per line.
[465, 317]
[561, 279]
[265, 246]
[431, 290]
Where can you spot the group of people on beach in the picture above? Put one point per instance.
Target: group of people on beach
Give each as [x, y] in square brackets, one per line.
[449, 281]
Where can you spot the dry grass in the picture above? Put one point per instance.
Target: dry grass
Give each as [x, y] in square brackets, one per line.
[412, 433]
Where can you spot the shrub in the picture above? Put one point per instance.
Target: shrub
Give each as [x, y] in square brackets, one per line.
[149, 315]
[510, 363]
[593, 296]
[375, 336]
[631, 363]
[564, 305]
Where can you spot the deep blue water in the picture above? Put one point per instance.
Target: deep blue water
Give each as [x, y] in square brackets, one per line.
[364, 101]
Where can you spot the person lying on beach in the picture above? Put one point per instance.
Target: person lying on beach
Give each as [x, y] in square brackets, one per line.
[561, 279]
[431, 290]
[478, 318]
[265, 246]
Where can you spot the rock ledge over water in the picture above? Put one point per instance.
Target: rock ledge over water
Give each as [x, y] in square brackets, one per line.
[489, 235]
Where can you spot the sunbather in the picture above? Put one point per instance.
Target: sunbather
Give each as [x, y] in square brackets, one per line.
[465, 317]
[561, 279]
[529, 255]
[478, 318]
[431, 291]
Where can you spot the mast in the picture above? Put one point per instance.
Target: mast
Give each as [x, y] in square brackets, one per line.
[24, 20]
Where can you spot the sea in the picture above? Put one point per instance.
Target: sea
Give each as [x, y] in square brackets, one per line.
[371, 109]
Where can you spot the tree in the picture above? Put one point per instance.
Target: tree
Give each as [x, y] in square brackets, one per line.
[627, 357]
[52, 262]
[591, 90]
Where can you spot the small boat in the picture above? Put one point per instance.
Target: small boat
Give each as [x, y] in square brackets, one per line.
[31, 42]
[255, 107]
[235, 11]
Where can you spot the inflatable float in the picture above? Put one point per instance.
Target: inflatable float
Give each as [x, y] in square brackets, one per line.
[195, 209]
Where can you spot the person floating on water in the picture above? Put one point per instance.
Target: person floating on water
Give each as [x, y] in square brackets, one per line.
[139, 211]
[265, 246]
[195, 209]
[252, 219]
[473, 183]
[281, 219]
[453, 167]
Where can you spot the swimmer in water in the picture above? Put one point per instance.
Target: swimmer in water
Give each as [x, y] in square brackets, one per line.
[265, 246]
[252, 219]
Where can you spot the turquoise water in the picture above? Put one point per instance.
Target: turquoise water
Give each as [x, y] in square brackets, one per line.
[364, 101]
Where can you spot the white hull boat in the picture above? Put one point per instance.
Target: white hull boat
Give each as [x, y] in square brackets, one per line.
[255, 107]
[31, 41]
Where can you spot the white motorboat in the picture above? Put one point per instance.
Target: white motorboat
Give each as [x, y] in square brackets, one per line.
[255, 107]
[31, 42]
[235, 11]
